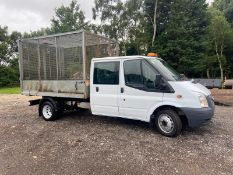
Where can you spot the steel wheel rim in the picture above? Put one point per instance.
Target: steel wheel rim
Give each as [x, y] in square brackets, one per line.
[166, 123]
[47, 111]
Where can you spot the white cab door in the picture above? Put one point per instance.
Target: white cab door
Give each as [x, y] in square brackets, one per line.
[105, 88]
[138, 90]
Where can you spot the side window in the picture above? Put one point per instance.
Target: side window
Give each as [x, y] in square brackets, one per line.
[106, 73]
[133, 74]
[140, 75]
[149, 76]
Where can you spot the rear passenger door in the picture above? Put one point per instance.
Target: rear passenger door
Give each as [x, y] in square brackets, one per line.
[105, 88]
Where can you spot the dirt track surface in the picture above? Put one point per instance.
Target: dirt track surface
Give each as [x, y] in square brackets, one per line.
[80, 143]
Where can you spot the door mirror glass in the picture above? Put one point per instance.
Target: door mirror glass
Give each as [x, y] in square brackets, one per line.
[158, 80]
[183, 77]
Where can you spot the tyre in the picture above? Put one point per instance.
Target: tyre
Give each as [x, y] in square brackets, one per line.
[168, 123]
[48, 111]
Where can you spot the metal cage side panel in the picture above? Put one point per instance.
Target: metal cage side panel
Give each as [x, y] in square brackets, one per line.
[59, 65]
[54, 88]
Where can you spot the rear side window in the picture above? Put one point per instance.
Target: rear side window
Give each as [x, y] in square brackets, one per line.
[106, 73]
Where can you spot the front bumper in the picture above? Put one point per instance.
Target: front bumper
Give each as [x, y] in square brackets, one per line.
[198, 116]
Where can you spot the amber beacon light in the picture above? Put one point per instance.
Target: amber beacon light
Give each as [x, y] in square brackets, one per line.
[152, 54]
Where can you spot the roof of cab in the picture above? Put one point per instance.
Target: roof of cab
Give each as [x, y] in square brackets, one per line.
[121, 57]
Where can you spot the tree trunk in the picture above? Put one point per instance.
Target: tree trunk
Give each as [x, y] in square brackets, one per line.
[208, 73]
[155, 24]
[124, 47]
[219, 60]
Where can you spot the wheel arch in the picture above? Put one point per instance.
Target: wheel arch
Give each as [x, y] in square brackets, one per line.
[179, 111]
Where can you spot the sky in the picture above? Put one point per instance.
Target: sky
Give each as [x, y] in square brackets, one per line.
[31, 15]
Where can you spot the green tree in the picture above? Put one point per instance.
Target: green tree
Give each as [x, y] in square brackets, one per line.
[181, 30]
[4, 46]
[135, 22]
[110, 14]
[225, 6]
[70, 18]
[8, 45]
[14, 37]
[161, 14]
[40, 32]
[219, 33]
[152, 15]
[122, 22]
[9, 71]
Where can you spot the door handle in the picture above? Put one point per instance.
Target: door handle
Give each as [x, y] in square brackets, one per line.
[97, 89]
[122, 90]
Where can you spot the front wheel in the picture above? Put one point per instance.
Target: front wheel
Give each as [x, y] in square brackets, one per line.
[168, 123]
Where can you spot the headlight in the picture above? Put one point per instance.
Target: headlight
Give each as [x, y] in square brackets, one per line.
[203, 101]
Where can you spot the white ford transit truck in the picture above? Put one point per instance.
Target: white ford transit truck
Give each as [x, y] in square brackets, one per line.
[64, 70]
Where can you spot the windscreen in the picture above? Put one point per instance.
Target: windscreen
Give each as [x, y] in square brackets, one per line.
[165, 69]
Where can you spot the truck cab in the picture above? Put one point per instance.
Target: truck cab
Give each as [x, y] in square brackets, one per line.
[146, 88]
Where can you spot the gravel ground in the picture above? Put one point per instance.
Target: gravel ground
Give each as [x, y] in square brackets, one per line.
[80, 143]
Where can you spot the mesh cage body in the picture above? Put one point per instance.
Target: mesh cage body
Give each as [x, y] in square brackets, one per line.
[97, 47]
[64, 56]
[53, 58]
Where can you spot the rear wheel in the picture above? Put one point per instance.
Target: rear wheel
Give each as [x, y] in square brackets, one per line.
[168, 123]
[48, 111]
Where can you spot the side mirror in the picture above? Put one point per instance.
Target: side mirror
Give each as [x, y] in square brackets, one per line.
[160, 84]
[183, 77]
[158, 80]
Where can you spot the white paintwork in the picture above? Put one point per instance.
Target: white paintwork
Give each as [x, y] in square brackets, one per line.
[138, 104]
[188, 85]
[134, 103]
[106, 101]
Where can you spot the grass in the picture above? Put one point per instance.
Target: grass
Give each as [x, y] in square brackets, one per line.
[10, 90]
